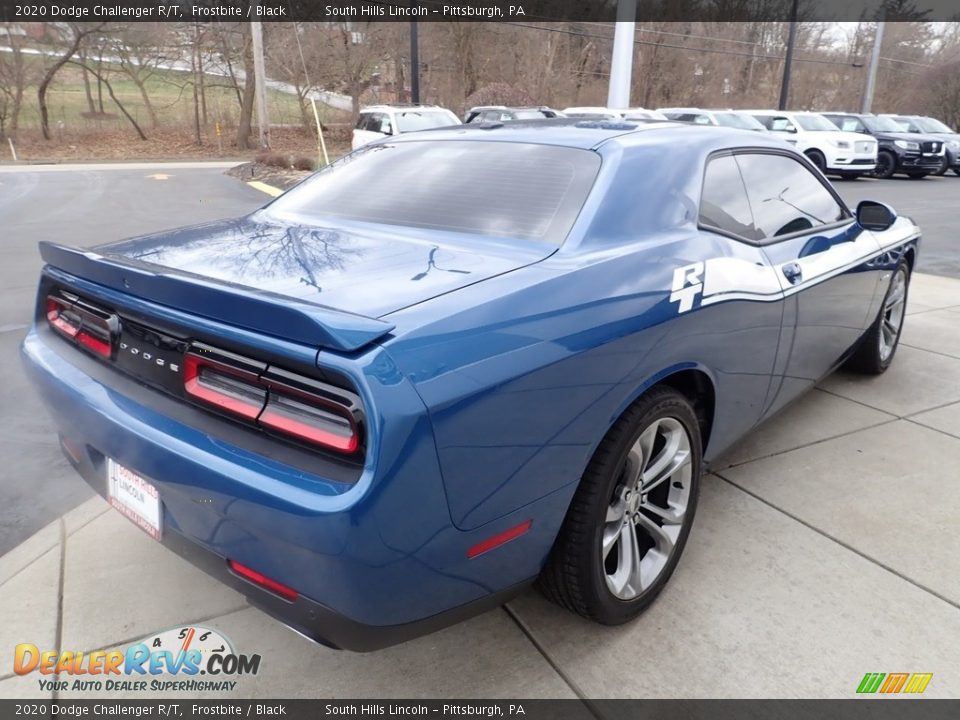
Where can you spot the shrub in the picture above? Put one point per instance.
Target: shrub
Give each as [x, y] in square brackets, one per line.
[303, 163]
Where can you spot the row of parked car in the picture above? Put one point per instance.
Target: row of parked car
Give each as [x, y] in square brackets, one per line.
[848, 145]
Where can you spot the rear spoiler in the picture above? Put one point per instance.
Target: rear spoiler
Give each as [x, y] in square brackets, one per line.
[261, 312]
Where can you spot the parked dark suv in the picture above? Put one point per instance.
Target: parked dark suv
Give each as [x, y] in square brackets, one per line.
[501, 113]
[899, 152]
[932, 126]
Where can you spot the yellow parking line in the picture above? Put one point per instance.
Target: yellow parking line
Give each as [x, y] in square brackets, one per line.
[263, 187]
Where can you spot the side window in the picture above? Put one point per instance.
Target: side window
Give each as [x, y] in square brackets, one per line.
[852, 125]
[362, 121]
[782, 124]
[723, 201]
[701, 120]
[785, 196]
[764, 120]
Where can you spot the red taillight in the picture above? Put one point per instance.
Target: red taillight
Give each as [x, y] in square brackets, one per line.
[499, 539]
[278, 401]
[229, 389]
[92, 342]
[80, 324]
[287, 593]
[59, 318]
[307, 421]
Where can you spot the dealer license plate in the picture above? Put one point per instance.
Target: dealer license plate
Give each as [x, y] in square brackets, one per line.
[134, 497]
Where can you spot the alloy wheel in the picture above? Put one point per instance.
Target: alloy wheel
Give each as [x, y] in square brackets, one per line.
[892, 318]
[884, 168]
[648, 508]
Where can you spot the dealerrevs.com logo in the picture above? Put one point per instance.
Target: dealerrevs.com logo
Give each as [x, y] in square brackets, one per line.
[894, 683]
[187, 659]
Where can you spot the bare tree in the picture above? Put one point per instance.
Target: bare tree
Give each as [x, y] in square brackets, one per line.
[249, 88]
[142, 48]
[102, 78]
[13, 80]
[78, 33]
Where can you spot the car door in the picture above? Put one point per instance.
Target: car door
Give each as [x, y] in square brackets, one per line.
[822, 257]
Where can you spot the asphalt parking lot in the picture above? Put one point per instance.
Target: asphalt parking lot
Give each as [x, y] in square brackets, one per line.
[824, 548]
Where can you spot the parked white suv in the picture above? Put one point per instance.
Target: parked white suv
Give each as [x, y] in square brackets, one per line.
[723, 118]
[833, 151]
[603, 113]
[379, 121]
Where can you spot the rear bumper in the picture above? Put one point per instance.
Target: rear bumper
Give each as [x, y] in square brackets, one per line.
[375, 562]
[306, 616]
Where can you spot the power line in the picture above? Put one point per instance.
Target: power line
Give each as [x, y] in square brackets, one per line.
[712, 51]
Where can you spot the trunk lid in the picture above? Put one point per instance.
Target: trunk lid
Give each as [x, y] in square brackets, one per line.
[323, 285]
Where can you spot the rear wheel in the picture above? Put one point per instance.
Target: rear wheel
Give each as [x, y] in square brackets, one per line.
[879, 345]
[631, 515]
[886, 165]
[956, 171]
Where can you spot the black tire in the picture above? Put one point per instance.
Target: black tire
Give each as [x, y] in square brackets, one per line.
[917, 175]
[944, 166]
[817, 158]
[575, 576]
[956, 171]
[869, 357]
[886, 165]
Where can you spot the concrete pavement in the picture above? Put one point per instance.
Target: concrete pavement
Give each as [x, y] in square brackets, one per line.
[825, 547]
[79, 205]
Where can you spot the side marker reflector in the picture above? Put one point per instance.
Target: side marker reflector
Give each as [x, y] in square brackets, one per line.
[287, 593]
[499, 539]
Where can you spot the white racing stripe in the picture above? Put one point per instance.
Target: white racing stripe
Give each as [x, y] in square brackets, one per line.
[730, 278]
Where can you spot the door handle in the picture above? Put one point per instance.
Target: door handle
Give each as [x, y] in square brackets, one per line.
[793, 272]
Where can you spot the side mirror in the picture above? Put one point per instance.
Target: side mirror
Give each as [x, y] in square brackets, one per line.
[872, 215]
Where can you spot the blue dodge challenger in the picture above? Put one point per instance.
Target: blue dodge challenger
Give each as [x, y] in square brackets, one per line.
[460, 361]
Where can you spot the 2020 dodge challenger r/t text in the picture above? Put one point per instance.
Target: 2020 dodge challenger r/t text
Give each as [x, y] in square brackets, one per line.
[458, 361]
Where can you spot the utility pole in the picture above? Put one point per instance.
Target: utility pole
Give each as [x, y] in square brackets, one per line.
[414, 63]
[260, 87]
[621, 61]
[788, 60]
[872, 70]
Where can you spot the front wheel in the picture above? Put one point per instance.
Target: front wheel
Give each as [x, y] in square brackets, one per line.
[878, 346]
[886, 165]
[631, 515]
[944, 166]
[817, 158]
[956, 171]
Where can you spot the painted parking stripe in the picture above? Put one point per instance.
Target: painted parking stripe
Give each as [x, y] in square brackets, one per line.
[263, 187]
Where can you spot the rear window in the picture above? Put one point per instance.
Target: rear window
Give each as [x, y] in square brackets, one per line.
[509, 190]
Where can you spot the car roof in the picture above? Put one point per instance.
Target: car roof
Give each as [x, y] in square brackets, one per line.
[382, 108]
[510, 107]
[590, 134]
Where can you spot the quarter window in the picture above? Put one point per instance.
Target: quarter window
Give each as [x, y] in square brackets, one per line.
[785, 196]
[723, 202]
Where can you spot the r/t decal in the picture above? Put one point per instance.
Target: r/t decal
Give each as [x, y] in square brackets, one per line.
[687, 284]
